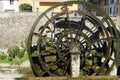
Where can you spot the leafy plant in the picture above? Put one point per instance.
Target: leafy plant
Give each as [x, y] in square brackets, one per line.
[17, 61]
[26, 7]
[3, 56]
[16, 55]
[13, 51]
[21, 53]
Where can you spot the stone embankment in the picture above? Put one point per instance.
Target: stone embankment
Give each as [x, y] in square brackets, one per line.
[10, 72]
[14, 28]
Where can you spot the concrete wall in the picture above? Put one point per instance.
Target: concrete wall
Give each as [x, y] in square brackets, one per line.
[14, 28]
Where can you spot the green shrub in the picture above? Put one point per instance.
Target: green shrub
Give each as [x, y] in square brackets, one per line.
[17, 61]
[21, 53]
[15, 55]
[26, 7]
[25, 56]
[3, 56]
[6, 60]
[10, 59]
[13, 51]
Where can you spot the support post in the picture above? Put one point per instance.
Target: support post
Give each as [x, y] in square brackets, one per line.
[75, 62]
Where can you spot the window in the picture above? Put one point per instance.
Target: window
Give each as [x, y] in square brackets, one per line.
[114, 11]
[117, 10]
[111, 1]
[11, 2]
[110, 10]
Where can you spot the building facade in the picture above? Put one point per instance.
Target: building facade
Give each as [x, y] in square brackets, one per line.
[118, 8]
[39, 5]
[99, 3]
[9, 6]
[112, 7]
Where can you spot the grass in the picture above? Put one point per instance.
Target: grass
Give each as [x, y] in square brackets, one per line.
[16, 60]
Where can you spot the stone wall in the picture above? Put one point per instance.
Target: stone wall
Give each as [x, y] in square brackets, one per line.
[14, 28]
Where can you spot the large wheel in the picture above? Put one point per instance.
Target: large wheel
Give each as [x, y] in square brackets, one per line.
[52, 37]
